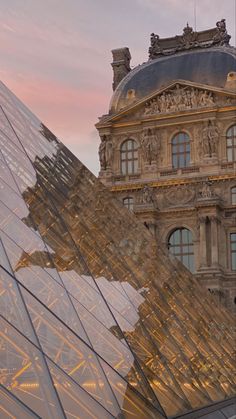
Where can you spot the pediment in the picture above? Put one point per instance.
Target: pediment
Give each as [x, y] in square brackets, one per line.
[177, 97]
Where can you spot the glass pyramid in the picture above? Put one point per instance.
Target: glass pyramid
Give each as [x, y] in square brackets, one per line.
[96, 320]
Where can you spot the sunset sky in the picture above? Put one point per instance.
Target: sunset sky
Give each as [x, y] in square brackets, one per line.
[55, 54]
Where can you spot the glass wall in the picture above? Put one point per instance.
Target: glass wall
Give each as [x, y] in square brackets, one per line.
[96, 320]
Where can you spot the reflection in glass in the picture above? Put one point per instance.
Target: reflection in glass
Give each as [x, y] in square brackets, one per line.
[98, 320]
[181, 245]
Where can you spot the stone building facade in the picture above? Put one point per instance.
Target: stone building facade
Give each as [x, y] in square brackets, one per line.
[168, 150]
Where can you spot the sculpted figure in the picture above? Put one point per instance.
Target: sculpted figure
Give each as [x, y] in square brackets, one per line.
[222, 37]
[177, 96]
[102, 152]
[188, 38]
[147, 195]
[109, 150]
[155, 48]
[150, 145]
[105, 151]
[210, 99]
[193, 95]
[206, 98]
[202, 98]
[206, 190]
[210, 138]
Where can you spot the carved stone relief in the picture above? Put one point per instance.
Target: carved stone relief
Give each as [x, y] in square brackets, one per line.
[179, 195]
[147, 197]
[206, 192]
[178, 99]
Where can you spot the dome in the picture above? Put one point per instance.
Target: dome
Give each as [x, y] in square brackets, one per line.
[209, 66]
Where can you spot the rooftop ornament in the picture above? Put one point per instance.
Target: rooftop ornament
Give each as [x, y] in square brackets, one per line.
[189, 40]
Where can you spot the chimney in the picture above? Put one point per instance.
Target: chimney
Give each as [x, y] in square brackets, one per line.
[120, 65]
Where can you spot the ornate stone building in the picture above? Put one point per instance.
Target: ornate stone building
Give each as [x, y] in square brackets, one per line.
[168, 149]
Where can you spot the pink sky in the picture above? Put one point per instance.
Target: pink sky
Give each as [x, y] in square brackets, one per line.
[55, 54]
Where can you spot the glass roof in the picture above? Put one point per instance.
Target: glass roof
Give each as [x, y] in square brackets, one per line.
[96, 320]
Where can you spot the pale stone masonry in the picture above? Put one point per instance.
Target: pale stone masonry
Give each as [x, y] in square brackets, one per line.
[171, 150]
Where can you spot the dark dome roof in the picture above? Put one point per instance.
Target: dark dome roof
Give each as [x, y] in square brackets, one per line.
[209, 66]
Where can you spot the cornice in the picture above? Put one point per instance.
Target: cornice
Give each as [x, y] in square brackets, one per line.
[170, 182]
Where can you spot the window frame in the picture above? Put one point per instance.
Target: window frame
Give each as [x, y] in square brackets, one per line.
[180, 150]
[232, 251]
[129, 204]
[181, 254]
[129, 157]
[231, 148]
[233, 195]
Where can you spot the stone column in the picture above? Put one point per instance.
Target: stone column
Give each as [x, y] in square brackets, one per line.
[169, 153]
[214, 241]
[203, 249]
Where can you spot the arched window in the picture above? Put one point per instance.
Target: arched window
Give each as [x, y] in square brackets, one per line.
[128, 203]
[233, 195]
[233, 251]
[181, 245]
[129, 157]
[231, 143]
[180, 150]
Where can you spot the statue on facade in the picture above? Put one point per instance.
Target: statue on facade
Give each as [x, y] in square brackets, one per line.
[188, 39]
[206, 192]
[146, 195]
[222, 37]
[105, 152]
[210, 139]
[150, 145]
[154, 48]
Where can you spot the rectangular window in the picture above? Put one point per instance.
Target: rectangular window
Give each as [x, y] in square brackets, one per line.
[233, 196]
[233, 251]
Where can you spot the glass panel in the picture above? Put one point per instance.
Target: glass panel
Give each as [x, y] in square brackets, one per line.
[77, 403]
[12, 408]
[130, 167]
[180, 244]
[70, 353]
[233, 250]
[12, 305]
[233, 196]
[6, 175]
[123, 167]
[147, 330]
[25, 375]
[128, 400]
[187, 159]
[130, 145]
[229, 154]
[175, 161]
